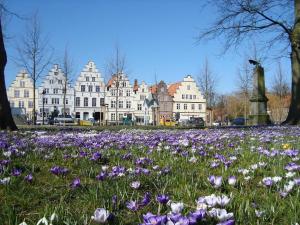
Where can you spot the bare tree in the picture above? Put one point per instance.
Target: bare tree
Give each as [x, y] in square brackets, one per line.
[116, 67]
[34, 54]
[244, 84]
[275, 21]
[68, 72]
[207, 81]
[6, 119]
[280, 86]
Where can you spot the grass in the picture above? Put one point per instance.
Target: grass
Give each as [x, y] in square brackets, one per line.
[186, 182]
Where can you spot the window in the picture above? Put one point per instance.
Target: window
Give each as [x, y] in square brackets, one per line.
[128, 104]
[113, 116]
[178, 106]
[189, 87]
[127, 92]
[97, 88]
[94, 101]
[142, 97]
[47, 90]
[101, 101]
[63, 90]
[30, 104]
[187, 96]
[90, 88]
[85, 102]
[191, 97]
[139, 107]
[143, 90]
[93, 79]
[185, 106]
[194, 96]
[55, 91]
[82, 88]
[59, 81]
[124, 84]
[199, 106]
[45, 100]
[87, 79]
[113, 104]
[21, 104]
[77, 101]
[22, 83]
[67, 101]
[121, 104]
[120, 92]
[193, 106]
[55, 101]
[55, 73]
[26, 94]
[183, 96]
[113, 92]
[17, 93]
[51, 81]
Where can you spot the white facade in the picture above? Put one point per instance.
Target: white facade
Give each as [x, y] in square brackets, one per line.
[188, 100]
[141, 112]
[53, 84]
[20, 93]
[124, 101]
[89, 94]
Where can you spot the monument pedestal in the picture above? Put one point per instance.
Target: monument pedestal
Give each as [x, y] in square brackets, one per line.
[258, 106]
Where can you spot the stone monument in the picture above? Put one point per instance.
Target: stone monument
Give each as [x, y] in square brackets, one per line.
[258, 100]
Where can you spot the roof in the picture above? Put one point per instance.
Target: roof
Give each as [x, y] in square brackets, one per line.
[153, 89]
[151, 100]
[135, 86]
[110, 82]
[172, 88]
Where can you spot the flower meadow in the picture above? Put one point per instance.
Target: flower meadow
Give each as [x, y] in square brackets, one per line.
[151, 177]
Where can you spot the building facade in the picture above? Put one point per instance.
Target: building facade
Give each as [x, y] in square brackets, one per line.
[187, 99]
[141, 113]
[89, 94]
[53, 87]
[119, 97]
[20, 94]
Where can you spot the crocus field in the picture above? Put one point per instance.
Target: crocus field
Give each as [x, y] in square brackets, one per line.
[163, 177]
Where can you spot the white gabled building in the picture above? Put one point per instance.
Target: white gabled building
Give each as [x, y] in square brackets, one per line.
[121, 97]
[20, 93]
[187, 99]
[141, 92]
[53, 85]
[89, 94]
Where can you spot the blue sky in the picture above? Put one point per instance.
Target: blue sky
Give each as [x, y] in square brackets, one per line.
[157, 37]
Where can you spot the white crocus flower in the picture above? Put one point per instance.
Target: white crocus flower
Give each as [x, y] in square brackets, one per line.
[100, 215]
[176, 207]
[42, 221]
[23, 223]
[223, 200]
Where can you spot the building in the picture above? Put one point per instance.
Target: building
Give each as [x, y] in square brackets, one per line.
[141, 92]
[165, 101]
[187, 99]
[120, 97]
[53, 87]
[20, 94]
[151, 107]
[89, 94]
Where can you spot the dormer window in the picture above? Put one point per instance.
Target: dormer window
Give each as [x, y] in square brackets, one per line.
[87, 79]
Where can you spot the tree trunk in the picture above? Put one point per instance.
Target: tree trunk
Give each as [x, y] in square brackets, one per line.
[294, 110]
[6, 119]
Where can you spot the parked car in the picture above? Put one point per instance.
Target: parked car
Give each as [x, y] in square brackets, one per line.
[196, 122]
[239, 121]
[64, 119]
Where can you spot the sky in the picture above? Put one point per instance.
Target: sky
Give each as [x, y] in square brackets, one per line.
[158, 38]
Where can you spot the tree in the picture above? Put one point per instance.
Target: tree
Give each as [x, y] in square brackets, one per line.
[6, 119]
[207, 81]
[68, 71]
[116, 67]
[244, 84]
[34, 54]
[280, 86]
[274, 20]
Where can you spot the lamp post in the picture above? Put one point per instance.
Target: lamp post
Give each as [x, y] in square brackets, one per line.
[43, 93]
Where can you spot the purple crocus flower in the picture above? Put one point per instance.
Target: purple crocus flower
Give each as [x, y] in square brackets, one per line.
[96, 156]
[59, 170]
[146, 199]
[132, 205]
[215, 181]
[75, 183]
[16, 172]
[228, 222]
[232, 180]
[29, 177]
[267, 181]
[163, 199]
[101, 176]
[149, 218]
[196, 216]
